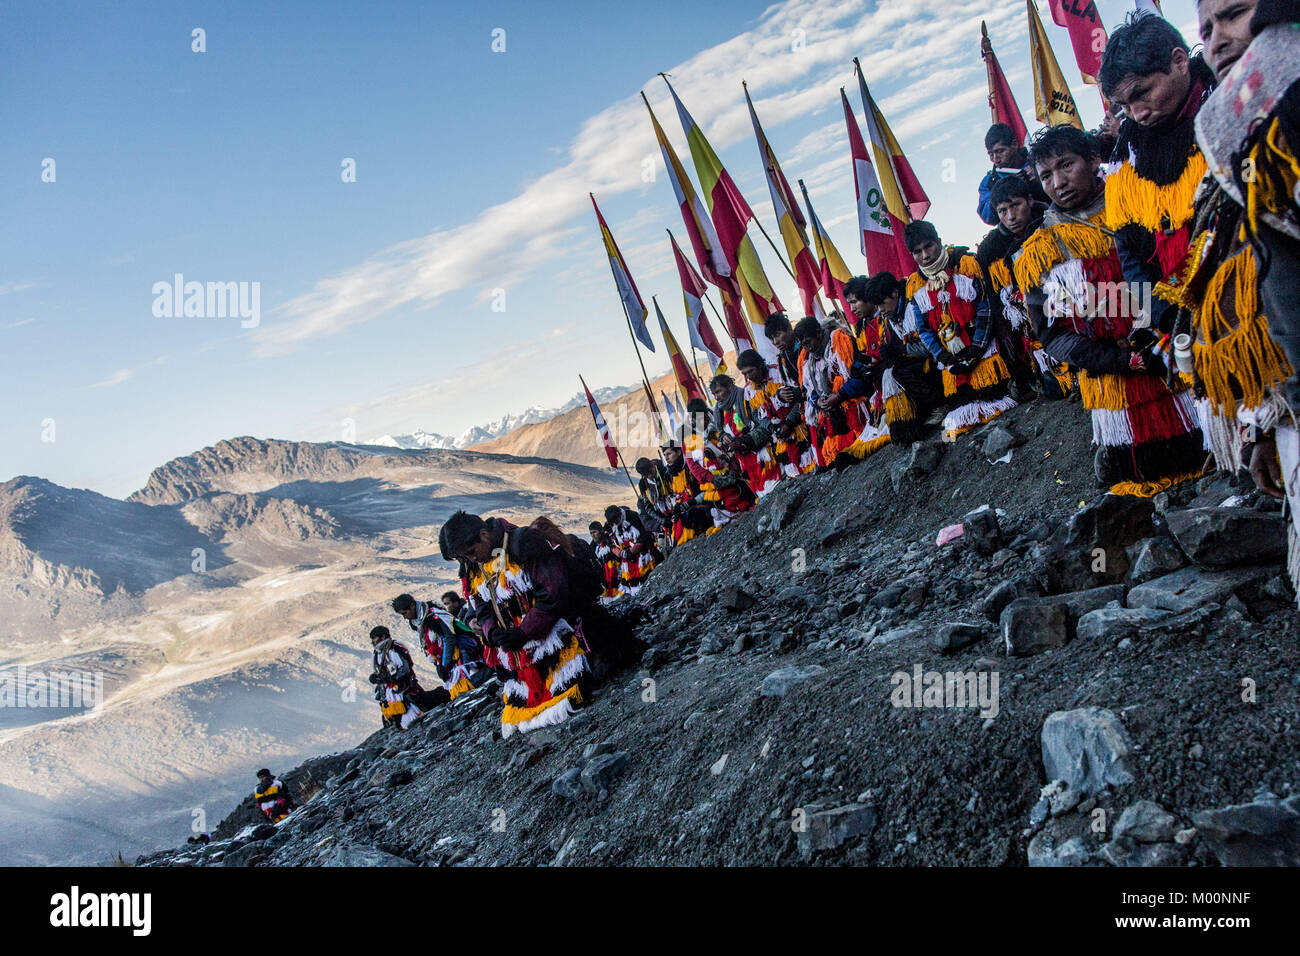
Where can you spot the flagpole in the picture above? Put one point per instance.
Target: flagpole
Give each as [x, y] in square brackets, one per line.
[780, 258]
[699, 384]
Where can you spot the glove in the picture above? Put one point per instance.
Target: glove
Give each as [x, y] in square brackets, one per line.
[376, 679]
[970, 355]
[507, 638]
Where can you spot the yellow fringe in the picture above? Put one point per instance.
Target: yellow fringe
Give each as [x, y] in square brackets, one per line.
[1043, 250]
[1149, 489]
[460, 687]
[392, 708]
[1245, 355]
[900, 408]
[1102, 391]
[517, 715]
[1132, 199]
[991, 371]
[1261, 194]
[861, 449]
[1000, 274]
[914, 282]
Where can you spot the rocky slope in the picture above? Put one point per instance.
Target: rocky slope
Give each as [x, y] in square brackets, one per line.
[225, 608]
[1145, 708]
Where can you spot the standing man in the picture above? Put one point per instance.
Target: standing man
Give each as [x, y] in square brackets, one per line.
[448, 641]
[947, 295]
[1149, 70]
[1145, 432]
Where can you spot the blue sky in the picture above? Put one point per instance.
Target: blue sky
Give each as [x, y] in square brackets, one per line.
[472, 169]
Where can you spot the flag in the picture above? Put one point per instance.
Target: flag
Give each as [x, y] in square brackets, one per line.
[790, 221]
[1001, 101]
[674, 423]
[1087, 33]
[904, 197]
[834, 273]
[699, 227]
[1149, 6]
[611, 450]
[1053, 103]
[633, 304]
[693, 292]
[686, 380]
[731, 215]
[875, 225]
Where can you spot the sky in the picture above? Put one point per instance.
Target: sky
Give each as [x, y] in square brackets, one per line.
[459, 276]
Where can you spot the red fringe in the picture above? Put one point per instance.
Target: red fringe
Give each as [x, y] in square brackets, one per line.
[1157, 421]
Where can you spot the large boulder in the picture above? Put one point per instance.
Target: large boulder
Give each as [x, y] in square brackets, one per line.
[1192, 587]
[1031, 626]
[1226, 537]
[1263, 833]
[981, 531]
[950, 638]
[1146, 822]
[1116, 623]
[1105, 526]
[1154, 557]
[1089, 748]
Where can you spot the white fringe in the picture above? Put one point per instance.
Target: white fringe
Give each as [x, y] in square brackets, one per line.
[555, 714]
[566, 675]
[964, 286]
[553, 643]
[1111, 427]
[889, 386]
[975, 413]
[516, 687]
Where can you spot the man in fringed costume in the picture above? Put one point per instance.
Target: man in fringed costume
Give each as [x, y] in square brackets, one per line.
[689, 517]
[952, 314]
[1246, 318]
[844, 429]
[1148, 69]
[609, 562]
[744, 435]
[401, 697]
[722, 487]
[633, 544]
[447, 641]
[781, 421]
[1146, 435]
[1019, 214]
[519, 589]
[903, 373]
[653, 501]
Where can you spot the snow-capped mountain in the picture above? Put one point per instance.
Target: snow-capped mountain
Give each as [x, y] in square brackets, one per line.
[477, 434]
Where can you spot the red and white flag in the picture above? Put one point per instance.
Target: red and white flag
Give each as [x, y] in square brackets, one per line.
[611, 450]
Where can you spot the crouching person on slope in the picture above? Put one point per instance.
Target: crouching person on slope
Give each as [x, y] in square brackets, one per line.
[272, 796]
[447, 640]
[519, 590]
[401, 698]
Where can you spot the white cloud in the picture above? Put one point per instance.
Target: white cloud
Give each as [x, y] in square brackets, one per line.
[537, 226]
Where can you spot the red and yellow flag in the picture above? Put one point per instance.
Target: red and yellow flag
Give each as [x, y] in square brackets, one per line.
[699, 227]
[1002, 103]
[790, 220]
[731, 215]
[904, 196]
[686, 381]
[834, 273]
